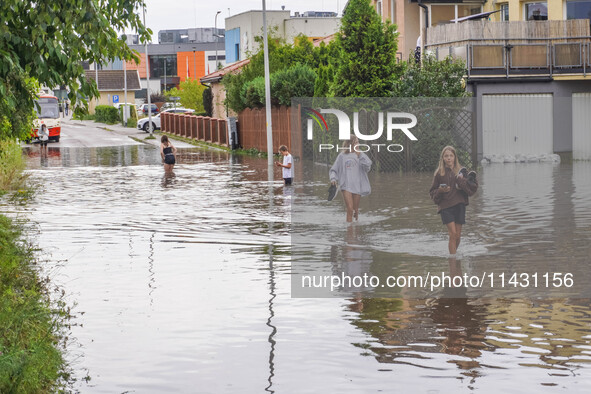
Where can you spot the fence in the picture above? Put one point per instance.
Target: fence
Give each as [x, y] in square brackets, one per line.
[252, 128]
[201, 128]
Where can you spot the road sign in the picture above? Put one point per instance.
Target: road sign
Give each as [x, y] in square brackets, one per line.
[115, 99]
[174, 98]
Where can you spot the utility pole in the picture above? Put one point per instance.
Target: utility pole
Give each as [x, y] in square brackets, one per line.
[125, 106]
[268, 96]
[148, 82]
[216, 40]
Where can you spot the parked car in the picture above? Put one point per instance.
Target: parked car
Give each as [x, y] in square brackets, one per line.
[144, 109]
[143, 124]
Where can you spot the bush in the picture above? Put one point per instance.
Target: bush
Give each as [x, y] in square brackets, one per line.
[208, 101]
[295, 81]
[131, 123]
[132, 116]
[106, 114]
[11, 166]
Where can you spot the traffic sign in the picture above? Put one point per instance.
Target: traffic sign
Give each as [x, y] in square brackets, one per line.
[115, 99]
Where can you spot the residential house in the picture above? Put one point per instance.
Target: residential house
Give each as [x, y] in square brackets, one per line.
[527, 64]
[111, 86]
[241, 29]
[214, 80]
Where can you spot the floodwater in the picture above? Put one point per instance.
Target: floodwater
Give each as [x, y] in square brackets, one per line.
[183, 283]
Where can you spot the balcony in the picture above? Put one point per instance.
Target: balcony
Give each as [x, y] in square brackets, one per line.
[515, 49]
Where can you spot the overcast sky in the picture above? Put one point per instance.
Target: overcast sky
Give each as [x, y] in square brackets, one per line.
[184, 14]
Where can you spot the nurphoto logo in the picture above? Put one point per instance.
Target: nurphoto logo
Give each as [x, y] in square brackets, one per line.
[392, 119]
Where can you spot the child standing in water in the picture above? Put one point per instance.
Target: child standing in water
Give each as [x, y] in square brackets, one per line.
[450, 190]
[349, 172]
[287, 164]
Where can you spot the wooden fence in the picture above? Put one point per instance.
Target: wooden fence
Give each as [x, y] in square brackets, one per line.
[252, 127]
[202, 128]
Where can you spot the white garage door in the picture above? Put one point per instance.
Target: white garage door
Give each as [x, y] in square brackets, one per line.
[517, 123]
[582, 126]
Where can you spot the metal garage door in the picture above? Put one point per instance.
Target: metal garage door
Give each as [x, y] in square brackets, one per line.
[582, 126]
[517, 123]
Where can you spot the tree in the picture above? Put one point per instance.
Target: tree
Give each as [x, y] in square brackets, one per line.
[48, 40]
[208, 102]
[367, 53]
[191, 94]
[433, 78]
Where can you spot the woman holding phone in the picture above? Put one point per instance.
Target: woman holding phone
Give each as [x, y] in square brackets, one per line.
[450, 190]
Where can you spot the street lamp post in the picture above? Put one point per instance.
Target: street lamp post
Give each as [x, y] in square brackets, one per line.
[194, 64]
[267, 96]
[216, 39]
[165, 74]
[150, 128]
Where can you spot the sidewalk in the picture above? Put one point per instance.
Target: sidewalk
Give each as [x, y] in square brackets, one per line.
[130, 132]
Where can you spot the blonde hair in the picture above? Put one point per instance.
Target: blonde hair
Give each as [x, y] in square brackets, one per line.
[441, 168]
[351, 142]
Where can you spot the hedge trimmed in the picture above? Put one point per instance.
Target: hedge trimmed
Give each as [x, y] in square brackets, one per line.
[106, 114]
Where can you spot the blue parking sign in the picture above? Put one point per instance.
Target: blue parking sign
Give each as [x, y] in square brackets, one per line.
[115, 99]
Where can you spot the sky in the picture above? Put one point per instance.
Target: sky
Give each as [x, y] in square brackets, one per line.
[184, 14]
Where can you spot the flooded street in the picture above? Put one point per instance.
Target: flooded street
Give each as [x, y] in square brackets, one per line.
[183, 283]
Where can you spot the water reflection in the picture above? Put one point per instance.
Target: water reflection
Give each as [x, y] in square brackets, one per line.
[188, 278]
[522, 221]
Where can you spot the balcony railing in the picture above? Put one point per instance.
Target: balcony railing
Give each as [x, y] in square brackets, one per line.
[515, 48]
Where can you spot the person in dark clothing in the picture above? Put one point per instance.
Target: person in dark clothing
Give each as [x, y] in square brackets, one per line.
[168, 153]
[450, 190]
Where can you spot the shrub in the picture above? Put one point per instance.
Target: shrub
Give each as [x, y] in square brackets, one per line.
[208, 101]
[106, 114]
[11, 166]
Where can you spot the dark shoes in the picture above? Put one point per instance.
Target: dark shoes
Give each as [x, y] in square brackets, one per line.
[332, 192]
[472, 177]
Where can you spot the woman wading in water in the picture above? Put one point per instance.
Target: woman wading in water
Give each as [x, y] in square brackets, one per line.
[168, 152]
[349, 172]
[450, 189]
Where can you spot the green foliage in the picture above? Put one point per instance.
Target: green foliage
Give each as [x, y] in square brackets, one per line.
[132, 119]
[191, 94]
[433, 78]
[12, 166]
[208, 102]
[48, 41]
[367, 53]
[106, 114]
[296, 81]
[30, 359]
[17, 101]
[131, 122]
[281, 56]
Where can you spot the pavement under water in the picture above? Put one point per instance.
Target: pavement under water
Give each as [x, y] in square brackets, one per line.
[183, 282]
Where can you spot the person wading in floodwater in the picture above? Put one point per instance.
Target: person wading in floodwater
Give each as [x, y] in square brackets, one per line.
[168, 152]
[349, 172]
[450, 189]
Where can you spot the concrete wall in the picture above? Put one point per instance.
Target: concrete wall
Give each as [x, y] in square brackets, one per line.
[251, 25]
[562, 104]
[311, 27]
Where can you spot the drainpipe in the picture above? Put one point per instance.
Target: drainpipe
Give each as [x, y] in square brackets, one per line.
[424, 34]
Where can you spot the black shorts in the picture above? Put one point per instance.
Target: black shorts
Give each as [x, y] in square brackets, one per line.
[287, 181]
[456, 214]
[44, 143]
[169, 159]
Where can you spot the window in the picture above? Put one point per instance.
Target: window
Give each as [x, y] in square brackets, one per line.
[578, 9]
[237, 52]
[536, 11]
[157, 63]
[211, 58]
[504, 12]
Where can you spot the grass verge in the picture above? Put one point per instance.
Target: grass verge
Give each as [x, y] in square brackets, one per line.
[32, 329]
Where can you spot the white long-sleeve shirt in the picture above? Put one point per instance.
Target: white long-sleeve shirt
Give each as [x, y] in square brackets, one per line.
[350, 173]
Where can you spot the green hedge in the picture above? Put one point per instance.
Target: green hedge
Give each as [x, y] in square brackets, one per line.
[106, 114]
